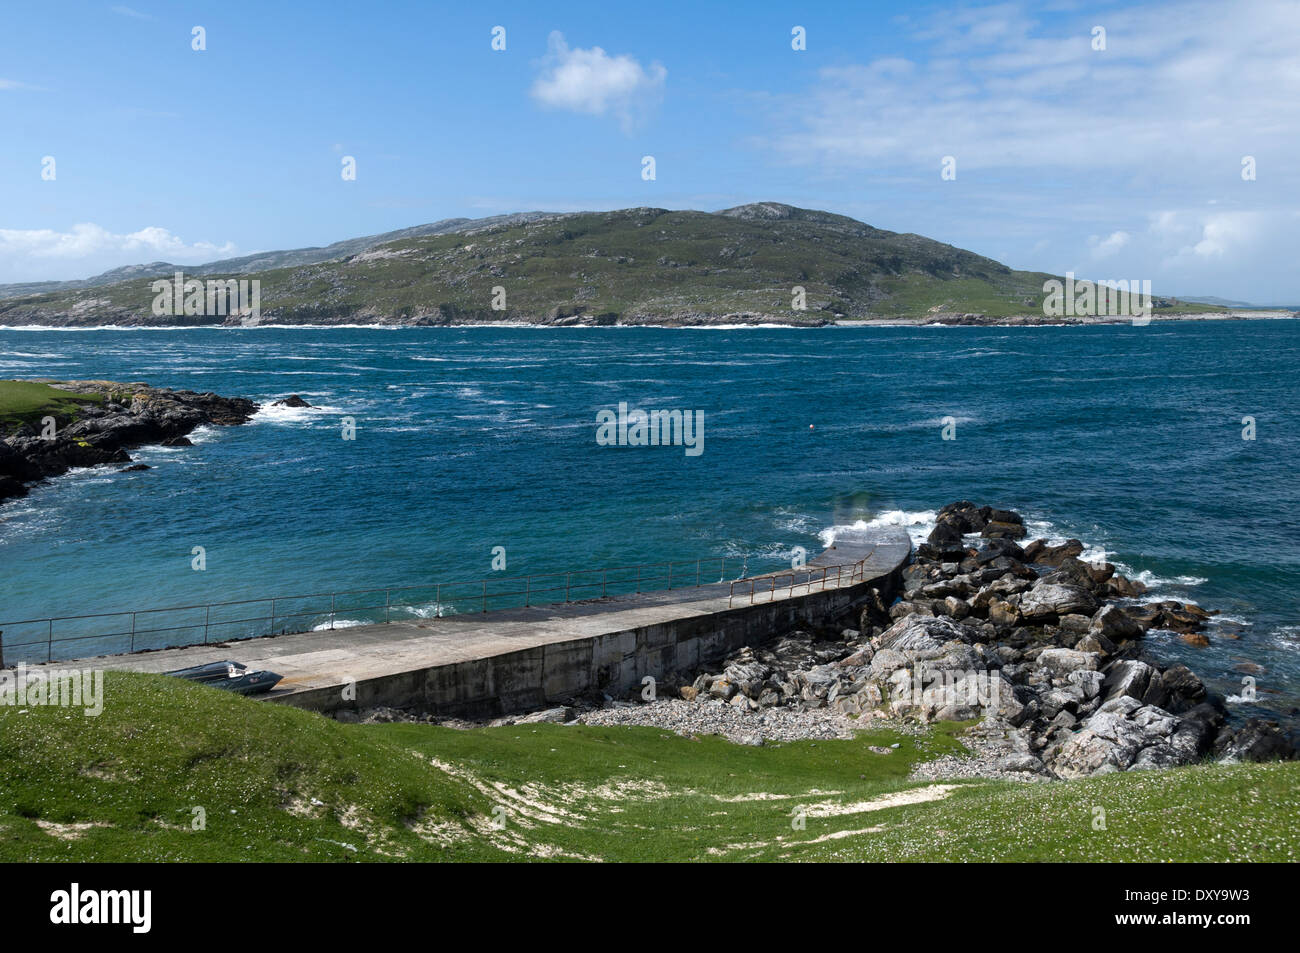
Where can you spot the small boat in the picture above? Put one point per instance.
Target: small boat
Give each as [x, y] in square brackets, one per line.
[232, 676]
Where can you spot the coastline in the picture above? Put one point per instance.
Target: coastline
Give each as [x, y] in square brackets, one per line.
[721, 323]
[109, 419]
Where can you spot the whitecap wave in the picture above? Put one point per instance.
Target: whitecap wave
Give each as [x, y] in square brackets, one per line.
[918, 524]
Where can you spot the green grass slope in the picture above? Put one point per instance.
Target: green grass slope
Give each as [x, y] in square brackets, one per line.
[27, 402]
[275, 783]
[640, 265]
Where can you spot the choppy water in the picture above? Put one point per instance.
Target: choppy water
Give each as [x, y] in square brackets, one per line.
[1129, 438]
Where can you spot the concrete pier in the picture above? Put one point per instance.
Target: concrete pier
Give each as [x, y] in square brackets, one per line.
[497, 662]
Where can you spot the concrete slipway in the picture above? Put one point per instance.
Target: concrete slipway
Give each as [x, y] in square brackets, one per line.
[513, 659]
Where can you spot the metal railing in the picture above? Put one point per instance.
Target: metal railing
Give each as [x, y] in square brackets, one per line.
[776, 582]
[106, 633]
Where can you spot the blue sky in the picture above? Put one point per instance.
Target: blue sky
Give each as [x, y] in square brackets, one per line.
[1123, 162]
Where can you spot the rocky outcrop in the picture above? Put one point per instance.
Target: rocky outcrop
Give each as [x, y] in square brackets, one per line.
[115, 418]
[1027, 639]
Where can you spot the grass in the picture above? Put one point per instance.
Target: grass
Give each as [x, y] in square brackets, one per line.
[639, 265]
[27, 402]
[275, 783]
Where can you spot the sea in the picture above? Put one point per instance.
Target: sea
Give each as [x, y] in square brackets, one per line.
[441, 455]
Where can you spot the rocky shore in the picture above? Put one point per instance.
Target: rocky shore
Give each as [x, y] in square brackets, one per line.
[1043, 650]
[114, 418]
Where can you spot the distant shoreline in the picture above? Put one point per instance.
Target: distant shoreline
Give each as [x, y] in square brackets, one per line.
[726, 322]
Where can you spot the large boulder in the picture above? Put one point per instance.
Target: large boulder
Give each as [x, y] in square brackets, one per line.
[1133, 678]
[918, 636]
[1115, 624]
[1047, 601]
[1063, 662]
[1123, 734]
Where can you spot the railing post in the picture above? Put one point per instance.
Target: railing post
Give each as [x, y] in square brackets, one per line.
[273, 617]
[603, 574]
[697, 574]
[331, 612]
[49, 645]
[437, 601]
[388, 599]
[207, 620]
[670, 576]
[133, 632]
[528, 591]
[566, 585]
[485, 595]
[638, 580]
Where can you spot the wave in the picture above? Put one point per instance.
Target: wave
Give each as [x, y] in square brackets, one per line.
[918, 524]
[269, 413]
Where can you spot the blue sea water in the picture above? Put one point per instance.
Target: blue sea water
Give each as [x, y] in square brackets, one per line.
[1129, 438]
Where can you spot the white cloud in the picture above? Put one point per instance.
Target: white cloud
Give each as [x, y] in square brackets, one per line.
[1108, 246]
[14, 84]
[597, 84]
[45, 254]
[999, 89]
[124, 11]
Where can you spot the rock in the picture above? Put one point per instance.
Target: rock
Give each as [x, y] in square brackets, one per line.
[944, 535]
[293, 400]
[1074, 623]
[1040, 552]
[1183, 688]
[557, 716]
[1062, 662]
[1116, 625]
[1049, 601]
[1123, 588]
[177, 442]
[918, 635]
[747, 677]
[963, 515]
[1257, 740]
[1003, 530]
[721, 688]
[1122, 734]
[1004, 613]
[135, 467]
[997, 547]
[1134, 679]
[901, 610]
[1197, 639]
[1097, 644]
[743, 702]
[688, 692]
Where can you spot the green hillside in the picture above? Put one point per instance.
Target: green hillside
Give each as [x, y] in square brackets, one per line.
[275, 783]
[641, 265]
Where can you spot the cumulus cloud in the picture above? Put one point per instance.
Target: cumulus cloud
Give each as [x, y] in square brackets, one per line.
[1070, 157]
[597, 84]
[998, 88]
[1108, 246]
[44, 254]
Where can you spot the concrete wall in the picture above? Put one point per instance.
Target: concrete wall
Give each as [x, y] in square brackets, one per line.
[614, 662]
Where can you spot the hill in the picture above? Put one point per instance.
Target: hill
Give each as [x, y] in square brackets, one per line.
[633, 266]
[175, 771]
